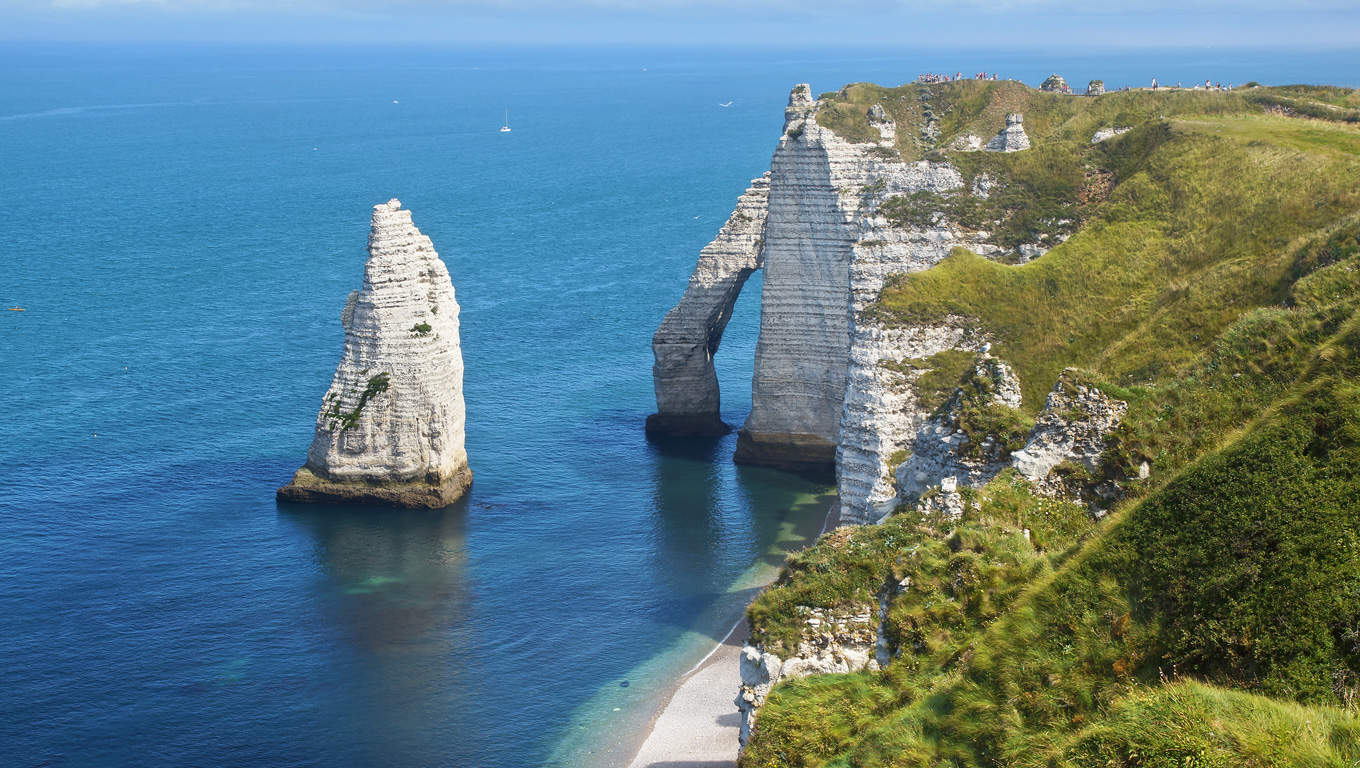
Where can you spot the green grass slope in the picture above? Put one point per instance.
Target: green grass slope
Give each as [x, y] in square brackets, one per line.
[1211, 280]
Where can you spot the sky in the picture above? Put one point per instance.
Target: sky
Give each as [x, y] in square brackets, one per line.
[1013, 24]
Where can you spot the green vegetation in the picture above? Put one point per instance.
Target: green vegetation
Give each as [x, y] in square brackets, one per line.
[943, 372]
[1212, 618]
[1191, 725]
[979, 108]
[1316, 101]
[1244, 571]
[938, 377]
[421, 329]
[968, 575]
[376, 385]
[1035, 200]
[1045, 193]
[896, 459]
[1182, 246]
[984, 421]
[960, 577]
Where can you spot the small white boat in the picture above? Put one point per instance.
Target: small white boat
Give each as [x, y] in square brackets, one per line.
[506, 128]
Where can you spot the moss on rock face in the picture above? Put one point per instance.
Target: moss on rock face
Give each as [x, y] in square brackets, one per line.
[994, 429]
[348, 419]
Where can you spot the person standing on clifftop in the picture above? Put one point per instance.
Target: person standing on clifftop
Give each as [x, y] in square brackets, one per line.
[1154, 83]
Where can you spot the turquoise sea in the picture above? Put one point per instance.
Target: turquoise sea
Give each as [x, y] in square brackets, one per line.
[182, 226]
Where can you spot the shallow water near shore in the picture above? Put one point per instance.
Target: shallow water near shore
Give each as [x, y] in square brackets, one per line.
[182, 227]
[607, 730]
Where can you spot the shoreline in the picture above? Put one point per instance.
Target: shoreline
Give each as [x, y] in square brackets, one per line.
[698, 722]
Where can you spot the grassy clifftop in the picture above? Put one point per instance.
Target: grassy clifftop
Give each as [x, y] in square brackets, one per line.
[1212, 281]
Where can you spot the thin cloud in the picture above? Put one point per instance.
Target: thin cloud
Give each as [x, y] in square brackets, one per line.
[1002, 23]
[1084, 7]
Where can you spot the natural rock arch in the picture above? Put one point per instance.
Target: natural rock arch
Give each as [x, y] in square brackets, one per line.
[687, 397]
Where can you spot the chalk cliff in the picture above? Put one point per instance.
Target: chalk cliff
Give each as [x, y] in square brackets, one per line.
[390, 428]
[822, 230]
[1199, 381]
[1074, 427]
[804, 312]
[944, 451]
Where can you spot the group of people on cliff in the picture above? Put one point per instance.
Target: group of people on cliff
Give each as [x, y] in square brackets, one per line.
[939, 77]
[1060, 86]
[1209, 85]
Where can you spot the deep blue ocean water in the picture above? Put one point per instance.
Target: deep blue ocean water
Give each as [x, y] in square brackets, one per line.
[182, 226]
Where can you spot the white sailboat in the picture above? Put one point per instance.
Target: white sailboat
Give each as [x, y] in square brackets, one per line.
[506, 128]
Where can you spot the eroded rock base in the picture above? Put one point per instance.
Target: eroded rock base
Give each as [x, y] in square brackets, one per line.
[686, 425]
[809, 454]
[309, 488]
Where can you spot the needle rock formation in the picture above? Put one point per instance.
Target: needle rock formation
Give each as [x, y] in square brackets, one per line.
[390, 429]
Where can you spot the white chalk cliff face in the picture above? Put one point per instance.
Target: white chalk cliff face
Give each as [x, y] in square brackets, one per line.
[687, 397]
[835, 387]
[820, 397]
[821, 391]
[390, 428]
[881, 416]
[936, 452]
[804, 337]
[1074, 427]
[815, 400]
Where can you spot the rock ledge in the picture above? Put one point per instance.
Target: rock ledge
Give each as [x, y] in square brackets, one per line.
[306, 487]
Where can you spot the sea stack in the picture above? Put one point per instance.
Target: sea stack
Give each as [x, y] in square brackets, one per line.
[390, 428]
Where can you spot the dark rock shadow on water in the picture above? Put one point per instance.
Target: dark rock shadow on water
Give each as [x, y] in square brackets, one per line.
[714, 519]
[777, 497]
[685, 492]
[808, 477]
[395, 577]
[689, 527]
[695, 448]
